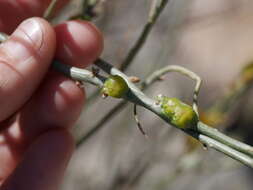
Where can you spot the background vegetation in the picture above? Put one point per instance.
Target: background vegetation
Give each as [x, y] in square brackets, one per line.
[212, 38]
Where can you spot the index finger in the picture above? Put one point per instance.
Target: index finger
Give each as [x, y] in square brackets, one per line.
[44, 163]
[12, 13]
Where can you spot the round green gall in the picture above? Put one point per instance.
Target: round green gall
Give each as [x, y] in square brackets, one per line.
[115, 86]
[180, 114]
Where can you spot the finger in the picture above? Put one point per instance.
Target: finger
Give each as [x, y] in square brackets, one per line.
[59, 101]
[78, 42]
[57, 104]
[43, 164]
[24, 60]
[14, 12]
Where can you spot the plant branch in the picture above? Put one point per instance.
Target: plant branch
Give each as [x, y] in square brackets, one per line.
[215, 134]
[78, 74]
[50, 10]
[155, 11]
[219, 111]
[111, 113]
[209, 142]
[101, 122]
[205, 134]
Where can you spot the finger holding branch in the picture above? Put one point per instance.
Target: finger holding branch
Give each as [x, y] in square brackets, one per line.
[205, 134]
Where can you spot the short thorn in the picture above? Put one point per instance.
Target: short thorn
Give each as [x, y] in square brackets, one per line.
[138, 122]
[161, 78]
[79, 84]
[104, 95]
[95, 71]
[134, 79]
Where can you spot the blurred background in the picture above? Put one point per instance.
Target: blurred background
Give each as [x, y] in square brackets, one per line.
[214, 39]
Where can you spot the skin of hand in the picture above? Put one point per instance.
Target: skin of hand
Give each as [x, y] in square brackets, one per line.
[38, 105]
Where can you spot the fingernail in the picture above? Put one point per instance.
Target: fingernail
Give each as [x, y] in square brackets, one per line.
[26, 40]
[31, 31]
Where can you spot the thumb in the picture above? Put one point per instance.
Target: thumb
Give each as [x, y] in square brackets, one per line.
[24, 59]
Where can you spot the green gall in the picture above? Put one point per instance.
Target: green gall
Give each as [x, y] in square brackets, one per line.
[115, 86]
[180, 114]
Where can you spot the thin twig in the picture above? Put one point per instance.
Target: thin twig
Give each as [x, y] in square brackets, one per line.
[155, 11]
[85, 4]
[209, 142]
[219, 111]
[3, 37]
[215, 134]
[100, 124]
[78, 74]
[87, 10]
[175, 68]
[50, 10]
[138, 122]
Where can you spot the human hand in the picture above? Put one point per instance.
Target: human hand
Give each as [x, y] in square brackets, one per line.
[38, 106]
